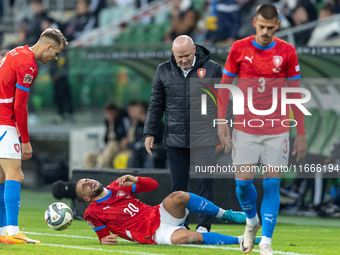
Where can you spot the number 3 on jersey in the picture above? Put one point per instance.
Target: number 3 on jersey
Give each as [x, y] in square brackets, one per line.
[262, 82]
[132, 209]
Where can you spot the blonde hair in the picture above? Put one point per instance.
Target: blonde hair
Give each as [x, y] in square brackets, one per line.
[55, 35]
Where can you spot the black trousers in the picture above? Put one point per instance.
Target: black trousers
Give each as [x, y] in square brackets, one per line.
[179, 164]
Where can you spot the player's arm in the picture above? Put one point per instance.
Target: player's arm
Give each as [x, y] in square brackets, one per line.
[230, 71]
[101, 230]
[25, 77]
[137, 184]
[293, 76]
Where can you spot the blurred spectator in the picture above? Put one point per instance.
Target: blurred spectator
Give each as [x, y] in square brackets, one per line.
[184, 19]
[324, 31]
[299, 17]
[136, 140]
[33, 26]
[96, 6]
[61, 89]
[83, 22]
[248, 12]
[142, 3]
[228, 22]
[115, 132]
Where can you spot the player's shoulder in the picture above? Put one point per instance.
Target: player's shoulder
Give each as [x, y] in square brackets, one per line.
[284, 45]
[245, 42]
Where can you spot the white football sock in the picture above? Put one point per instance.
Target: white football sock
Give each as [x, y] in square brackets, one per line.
[253, 221]
[240, 239]
[220, 213]
[2, 231]
[266, 240]
[12, 230]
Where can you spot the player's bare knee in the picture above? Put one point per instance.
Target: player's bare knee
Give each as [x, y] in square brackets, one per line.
[180, 197]
[193, 239]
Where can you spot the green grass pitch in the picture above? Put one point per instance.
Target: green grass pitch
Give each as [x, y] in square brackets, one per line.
[293, 236]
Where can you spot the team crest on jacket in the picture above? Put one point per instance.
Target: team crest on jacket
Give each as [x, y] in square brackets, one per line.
[17, 147]
[121, 193]
[277, 60]
[201, 72]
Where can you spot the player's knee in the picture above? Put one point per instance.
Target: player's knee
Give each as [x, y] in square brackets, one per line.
[179, 197]
[193, 239]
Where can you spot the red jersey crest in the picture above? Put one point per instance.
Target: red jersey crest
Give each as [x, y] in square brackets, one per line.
[277, 60]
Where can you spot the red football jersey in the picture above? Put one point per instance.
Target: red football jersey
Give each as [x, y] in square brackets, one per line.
[121, 213]
[18, 69]
[262, 68]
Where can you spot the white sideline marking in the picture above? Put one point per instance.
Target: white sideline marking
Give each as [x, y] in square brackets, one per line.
[70, 236]
[98, 249]
[236, 249]
[122, 240]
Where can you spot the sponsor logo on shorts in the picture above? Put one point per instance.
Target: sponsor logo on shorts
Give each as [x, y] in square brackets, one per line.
[28, 79]
[2, 137]
[17, 147]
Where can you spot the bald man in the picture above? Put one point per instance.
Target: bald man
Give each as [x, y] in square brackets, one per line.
[171, 90]
[18, 71]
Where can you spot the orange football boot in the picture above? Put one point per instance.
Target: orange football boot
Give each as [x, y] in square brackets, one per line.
[19, 238]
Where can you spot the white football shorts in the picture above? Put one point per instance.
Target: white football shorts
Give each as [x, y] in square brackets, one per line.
[168, 225]
[270, 150]
[9, 143]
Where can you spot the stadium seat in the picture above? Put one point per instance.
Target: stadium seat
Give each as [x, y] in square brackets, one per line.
[327, 126]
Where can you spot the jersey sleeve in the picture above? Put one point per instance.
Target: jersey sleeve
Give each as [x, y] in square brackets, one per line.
[97, 225]
[231, 66]
[25, 75]
[230, 71]
[293, 68]
[144, 184]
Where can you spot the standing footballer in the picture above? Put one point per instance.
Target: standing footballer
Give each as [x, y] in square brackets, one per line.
[265, 64]
[18, 69]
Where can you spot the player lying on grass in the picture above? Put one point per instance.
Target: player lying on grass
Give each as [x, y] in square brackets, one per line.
[115, 209]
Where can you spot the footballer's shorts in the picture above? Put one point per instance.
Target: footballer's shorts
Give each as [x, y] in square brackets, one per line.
[9, 143]
[270, 150]
[168, 226]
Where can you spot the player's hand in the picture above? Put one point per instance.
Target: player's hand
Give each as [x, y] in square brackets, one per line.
[127, 180]
[149, 144]
[110, 239]
[300, 147]
[26, 151]
[224, 135]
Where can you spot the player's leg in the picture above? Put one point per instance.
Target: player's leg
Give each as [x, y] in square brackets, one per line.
[3, 221]
[245, 154]
[183, 236]
[274, 156]
[177, 203]
[204, 157]
[14, 177]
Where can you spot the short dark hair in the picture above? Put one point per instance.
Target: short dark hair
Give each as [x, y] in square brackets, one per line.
[111, 107]
[267, 11]
[36, 1]
[328, 7]
[55, 35]
[78, 195]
